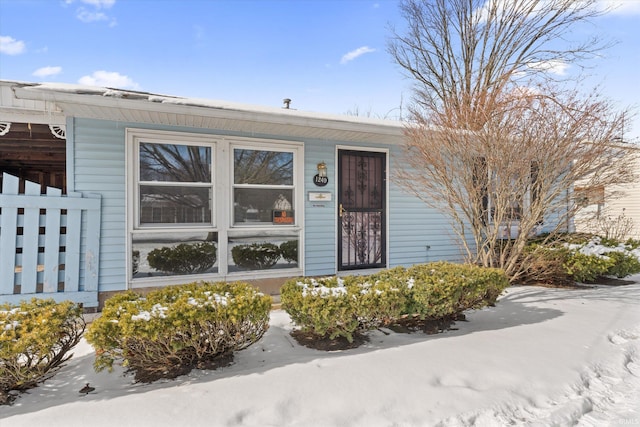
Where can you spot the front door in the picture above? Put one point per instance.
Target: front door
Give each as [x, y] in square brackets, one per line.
[361, 210]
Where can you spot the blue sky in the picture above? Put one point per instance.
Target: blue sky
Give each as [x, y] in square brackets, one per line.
[326, 55]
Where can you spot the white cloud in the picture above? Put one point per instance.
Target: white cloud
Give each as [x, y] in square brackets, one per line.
[621, 7]
[106, 4]
[47, 71]
[99, 4]
[558, 68]
[88, 16]
[356, 53]
[108, 79]
[94, 11]
[11, 46]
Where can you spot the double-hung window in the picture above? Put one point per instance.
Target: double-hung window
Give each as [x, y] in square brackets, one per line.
[174, 205]
[262, 186]
[264, 232]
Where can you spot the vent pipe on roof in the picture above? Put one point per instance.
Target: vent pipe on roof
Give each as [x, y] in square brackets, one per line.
[286, 101]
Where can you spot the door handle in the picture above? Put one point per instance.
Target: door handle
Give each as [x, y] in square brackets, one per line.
[341, 210]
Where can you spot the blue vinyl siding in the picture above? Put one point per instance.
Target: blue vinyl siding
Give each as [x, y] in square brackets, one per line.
[320, 217]
[413, 226]
[97, 165]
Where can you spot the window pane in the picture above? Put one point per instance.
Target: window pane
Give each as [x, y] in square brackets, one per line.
[262, 167]
[253, 205]
[175, 163]
[162, 254]
[175, 205]
[268, 252]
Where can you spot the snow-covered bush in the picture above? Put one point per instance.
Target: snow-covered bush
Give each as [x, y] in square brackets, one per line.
[581, 258]
[440, 290]
[322, 307]
[35, 340]
[602, 257]
[341, 307]
[378, 299]
[170, 331]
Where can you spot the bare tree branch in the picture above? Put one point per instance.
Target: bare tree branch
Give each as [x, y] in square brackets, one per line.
[494, 140]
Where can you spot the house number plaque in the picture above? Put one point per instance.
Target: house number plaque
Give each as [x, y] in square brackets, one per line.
[320, 181]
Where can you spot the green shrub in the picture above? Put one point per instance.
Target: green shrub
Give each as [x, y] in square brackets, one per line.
[256, 256]
[441, 290]
[185, 258]
[624, 264]
[320, 306]
[580, 258]
[383, 297]
[341, 307]
[587, 268]
[172, 330]
[289, 250]
[632, 244]
[35, 340]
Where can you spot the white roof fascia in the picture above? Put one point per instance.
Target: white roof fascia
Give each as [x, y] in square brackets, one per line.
[71, 102]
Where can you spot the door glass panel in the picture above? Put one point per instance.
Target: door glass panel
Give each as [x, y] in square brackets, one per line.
[361, 195]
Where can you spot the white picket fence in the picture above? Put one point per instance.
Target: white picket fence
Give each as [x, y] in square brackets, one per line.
[49, 244]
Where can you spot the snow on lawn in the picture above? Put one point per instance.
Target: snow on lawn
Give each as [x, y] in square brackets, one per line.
[540, 357]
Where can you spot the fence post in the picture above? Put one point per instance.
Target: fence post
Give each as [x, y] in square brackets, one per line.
[8, 228]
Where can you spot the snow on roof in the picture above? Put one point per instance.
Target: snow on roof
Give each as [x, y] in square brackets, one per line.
[76, 89]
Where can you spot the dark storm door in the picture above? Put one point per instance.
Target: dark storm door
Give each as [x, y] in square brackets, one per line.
[361, 210]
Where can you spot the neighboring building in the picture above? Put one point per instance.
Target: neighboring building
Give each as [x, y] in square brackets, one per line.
[613, 210]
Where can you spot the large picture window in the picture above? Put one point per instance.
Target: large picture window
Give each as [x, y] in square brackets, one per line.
[212, 206]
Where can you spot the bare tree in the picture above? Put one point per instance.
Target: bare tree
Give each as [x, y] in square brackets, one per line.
[494, 140]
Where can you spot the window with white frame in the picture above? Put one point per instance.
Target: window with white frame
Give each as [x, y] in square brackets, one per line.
[211, 205]
[263, 186]
[263, 234]
[175, 183]
[174, 206]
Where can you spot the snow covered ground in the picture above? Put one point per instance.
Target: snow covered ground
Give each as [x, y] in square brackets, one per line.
[540, 357]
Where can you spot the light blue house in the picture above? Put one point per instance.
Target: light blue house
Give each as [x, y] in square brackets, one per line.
[314, 191]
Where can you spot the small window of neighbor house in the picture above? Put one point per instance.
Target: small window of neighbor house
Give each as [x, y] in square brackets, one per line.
[586, 196]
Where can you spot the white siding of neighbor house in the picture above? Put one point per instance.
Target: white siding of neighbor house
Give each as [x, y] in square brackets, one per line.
[96, 164]
[628, 204]
[618, 200]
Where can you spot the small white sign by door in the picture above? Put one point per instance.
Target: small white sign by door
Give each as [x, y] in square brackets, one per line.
[319, 197]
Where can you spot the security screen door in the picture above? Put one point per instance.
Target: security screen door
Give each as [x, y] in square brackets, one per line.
[361, 210]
